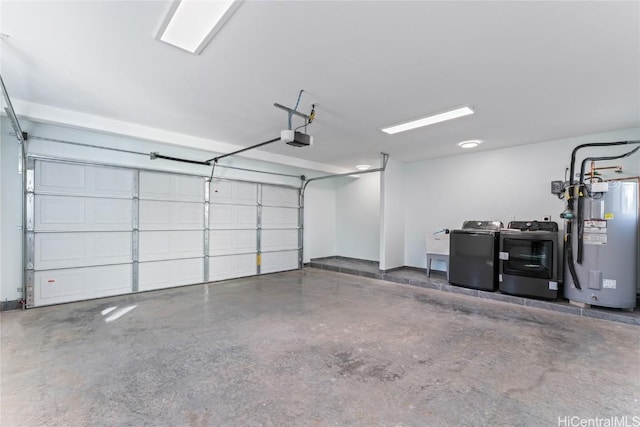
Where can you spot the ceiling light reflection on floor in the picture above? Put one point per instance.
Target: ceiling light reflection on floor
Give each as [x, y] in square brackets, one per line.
[119, 313]
[108, 310]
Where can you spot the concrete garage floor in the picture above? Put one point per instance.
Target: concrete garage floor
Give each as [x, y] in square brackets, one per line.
[312, 347]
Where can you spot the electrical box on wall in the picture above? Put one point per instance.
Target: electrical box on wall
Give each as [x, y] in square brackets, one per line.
[557, 187]
[599, 187]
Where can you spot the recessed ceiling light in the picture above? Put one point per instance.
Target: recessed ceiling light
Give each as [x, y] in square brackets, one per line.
[437, 118]
[363, 167]
[472, 143]
[190, 25]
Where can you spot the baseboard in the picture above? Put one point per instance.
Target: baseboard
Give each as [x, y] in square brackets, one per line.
[346, 258]
[10, 305]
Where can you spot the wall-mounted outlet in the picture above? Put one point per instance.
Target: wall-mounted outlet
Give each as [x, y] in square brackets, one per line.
[546, 218]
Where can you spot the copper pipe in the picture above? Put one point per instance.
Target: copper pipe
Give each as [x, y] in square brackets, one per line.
[637, 178]
[618, 169]
[610, 167]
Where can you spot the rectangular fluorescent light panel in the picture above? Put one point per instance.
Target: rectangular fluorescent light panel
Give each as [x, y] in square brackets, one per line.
[448, 115]
[191, 24]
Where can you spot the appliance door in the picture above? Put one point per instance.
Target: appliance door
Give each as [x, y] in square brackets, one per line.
[472, 259]
[529, 265]
[528, 258]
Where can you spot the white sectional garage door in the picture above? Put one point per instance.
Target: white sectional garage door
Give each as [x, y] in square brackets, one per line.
[171, 236]
[233, 229]
[253, 229]
[82, 232]
[97, 231]
[280, 237]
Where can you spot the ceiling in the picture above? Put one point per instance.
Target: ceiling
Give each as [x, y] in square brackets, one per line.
[532, 71]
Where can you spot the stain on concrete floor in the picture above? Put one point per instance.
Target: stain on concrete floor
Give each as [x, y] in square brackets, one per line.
[312, 347]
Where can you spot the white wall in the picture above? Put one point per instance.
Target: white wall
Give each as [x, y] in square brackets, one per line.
[392, 221]
[11, 216]
[2, 123]
[503, 185]
[358, 217]
[320, 220]
[319, 226]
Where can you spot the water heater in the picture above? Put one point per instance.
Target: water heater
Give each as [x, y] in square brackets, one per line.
[608, 274]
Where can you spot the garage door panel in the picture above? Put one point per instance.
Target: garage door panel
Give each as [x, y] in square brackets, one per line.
[232, 266]
[112, 212]
[164, 245]
[234, 192]
[112, 280]
[60, 177]
[154, 185]
[164, 186]
[60, 250]
[279, 261]
[279, 217]
[82, 180]
[64, 285]
[159, 215]
[226, 242]
[154, 214]
[57, 286]
[187, 214]
[64, 250]
[279, 240]
[233, 216]
[113, 182]
[63, 213]
[279, 196]
[112, 247]
[58, 211]
[167, 274]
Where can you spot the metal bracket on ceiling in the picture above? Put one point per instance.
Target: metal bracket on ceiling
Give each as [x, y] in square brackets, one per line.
[291, 111]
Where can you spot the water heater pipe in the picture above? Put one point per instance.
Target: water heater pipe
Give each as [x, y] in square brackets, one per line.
[568, 214]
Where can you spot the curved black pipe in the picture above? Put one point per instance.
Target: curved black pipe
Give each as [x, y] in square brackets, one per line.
[580, 213]
[573, 166]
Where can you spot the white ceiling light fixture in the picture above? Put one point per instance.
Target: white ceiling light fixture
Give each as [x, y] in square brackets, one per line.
[436, 118]
[363, 167]
[191, 24]
[472, 143]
